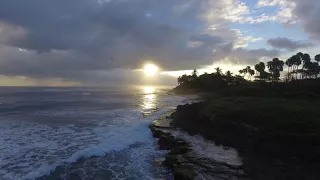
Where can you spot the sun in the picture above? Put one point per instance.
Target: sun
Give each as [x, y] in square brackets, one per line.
[150, 69]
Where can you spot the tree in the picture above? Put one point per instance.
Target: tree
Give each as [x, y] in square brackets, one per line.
[307, 66]
[252, 73]
[194, 73]
[242, 71]
[218, 71]
[229, 74]
[314, 69]
[317, 58]
[290, 62]
[245, 71]
[229, 78]
[184, 79]
[306, 58]
[180, 80]
[249, 71]
[260, 68]
[275, 67]
[297, 60]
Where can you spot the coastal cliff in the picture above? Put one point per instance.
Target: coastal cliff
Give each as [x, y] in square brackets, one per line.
[192, 157]
[268, 150]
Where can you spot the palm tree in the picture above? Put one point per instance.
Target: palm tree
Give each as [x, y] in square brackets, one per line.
[241, 71]
[184, 79]
[290, 63]
[180, 80]
[218, 71]
[252, 73]
[249, 71]
[297, 60]
[307, 65]
[228, 77]
[275, 67]
[314, 69]
[246, 71]
[306, 58]
[195, 73]
[229, 74]
[260, 68]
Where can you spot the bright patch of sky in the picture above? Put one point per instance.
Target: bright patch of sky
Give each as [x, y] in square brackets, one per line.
[266, 23]
[268, 30]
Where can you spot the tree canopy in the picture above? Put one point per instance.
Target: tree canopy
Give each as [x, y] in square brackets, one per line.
[299, 66]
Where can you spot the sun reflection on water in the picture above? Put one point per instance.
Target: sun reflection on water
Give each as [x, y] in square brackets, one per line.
[149, 98]
[149, 89]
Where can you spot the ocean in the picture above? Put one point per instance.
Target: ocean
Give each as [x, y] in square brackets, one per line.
[81, 133]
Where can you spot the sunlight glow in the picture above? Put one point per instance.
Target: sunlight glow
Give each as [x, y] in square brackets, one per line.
[148, 90]
[150, 69]
[149, 99]
[182, 72]
[208, 69]
[149, 102]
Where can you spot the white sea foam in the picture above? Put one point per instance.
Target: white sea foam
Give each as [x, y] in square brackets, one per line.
[29, 150]
[209, 149]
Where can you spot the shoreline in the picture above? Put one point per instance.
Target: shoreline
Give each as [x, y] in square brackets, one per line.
[265, 155]
[186, 162]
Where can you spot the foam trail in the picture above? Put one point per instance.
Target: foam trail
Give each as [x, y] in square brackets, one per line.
[209, 149]
[56, 137]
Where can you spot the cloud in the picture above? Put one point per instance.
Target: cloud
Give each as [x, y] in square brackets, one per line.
[283, 15]
[76, 40]
[243, 41]
[249, 56]
[308, 12]
[302, 12]
[265, 3]
[288, 44]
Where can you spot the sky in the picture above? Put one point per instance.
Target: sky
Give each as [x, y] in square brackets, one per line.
[107, 42]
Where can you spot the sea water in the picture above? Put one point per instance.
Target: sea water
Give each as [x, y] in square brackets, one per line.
[81, 133]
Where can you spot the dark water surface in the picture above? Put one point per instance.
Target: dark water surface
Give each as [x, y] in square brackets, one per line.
[81, 133]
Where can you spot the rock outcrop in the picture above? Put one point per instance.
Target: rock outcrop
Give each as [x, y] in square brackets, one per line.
[185, 164]
[265, 156]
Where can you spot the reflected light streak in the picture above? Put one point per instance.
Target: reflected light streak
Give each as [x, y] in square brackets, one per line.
[149, 89]
[149, 99]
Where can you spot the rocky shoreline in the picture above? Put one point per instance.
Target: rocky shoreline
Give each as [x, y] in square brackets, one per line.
[184, 162]
[264, 156]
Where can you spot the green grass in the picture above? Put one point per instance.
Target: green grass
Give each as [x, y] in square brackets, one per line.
[271, 115]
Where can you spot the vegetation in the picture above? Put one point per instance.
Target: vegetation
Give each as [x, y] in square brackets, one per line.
[299, 67]
[271, 119]
[270, 115]
[266, 99]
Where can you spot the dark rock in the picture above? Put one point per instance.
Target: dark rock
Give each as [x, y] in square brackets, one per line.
[158, 133]
[179, 150]
[171, 161]
[265, 155]
[167, 142]
[184, 173]
[181, 142]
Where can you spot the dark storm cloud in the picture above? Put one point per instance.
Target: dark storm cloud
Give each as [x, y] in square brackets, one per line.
[245, 56]
[308, 12]
[75, 38]
[288, 44]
